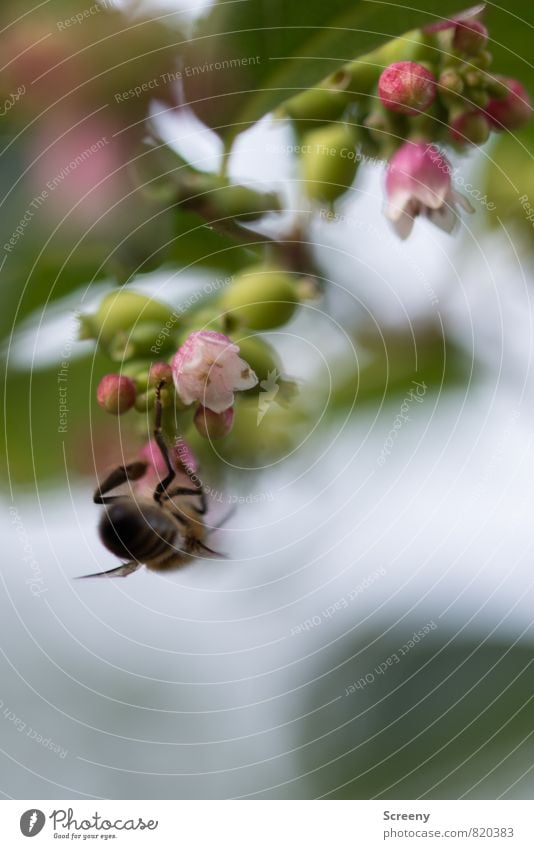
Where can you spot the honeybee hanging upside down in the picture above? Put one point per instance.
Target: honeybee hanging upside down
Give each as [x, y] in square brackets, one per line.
[162, 532]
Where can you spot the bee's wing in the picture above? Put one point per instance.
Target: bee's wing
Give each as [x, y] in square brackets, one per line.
[119, 572]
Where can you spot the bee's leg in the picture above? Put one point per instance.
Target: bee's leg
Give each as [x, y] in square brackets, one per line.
[163, 485]
[203, 508]
[184, 490]
[131, 472]
[162, 445]
[208, 550]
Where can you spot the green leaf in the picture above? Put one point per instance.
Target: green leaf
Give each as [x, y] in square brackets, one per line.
[249, 56]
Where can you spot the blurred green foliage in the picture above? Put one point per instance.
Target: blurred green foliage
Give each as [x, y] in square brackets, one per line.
[293, 49]
[435, 724]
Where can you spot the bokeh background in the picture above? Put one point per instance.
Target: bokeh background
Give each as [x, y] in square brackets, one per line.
[393, 499]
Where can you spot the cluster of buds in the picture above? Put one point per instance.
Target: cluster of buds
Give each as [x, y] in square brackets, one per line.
[431, 88]
[201, 370]
[473, 102]
[205, 373]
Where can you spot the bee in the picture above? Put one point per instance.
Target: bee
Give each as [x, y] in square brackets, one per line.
[162, 532]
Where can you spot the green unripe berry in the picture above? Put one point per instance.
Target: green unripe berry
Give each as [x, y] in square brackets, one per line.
[261, 297]
[257, 441]
[137, 370]
[261, 357]
[328, 162]
[450, 82]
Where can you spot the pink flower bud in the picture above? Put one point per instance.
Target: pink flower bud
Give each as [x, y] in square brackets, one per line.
[510, 112]
[207, 368]
[470, 128]
[406, 87]
[470, 37]
[213, 425]
[116, 394]
[159, 372]
[418, 182]
[182, 459]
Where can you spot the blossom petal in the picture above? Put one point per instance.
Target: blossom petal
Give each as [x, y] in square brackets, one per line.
[207, 368]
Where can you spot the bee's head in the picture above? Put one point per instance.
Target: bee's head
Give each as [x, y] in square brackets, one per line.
[134, 531]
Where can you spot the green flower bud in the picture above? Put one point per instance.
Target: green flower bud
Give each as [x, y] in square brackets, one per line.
[137, 370]
[141, 341]
[479, 97]
[474, 78]
[146, 400]
[122, 310]
[261, 297]
[471, 127]
[328, 162]
[483, 60]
